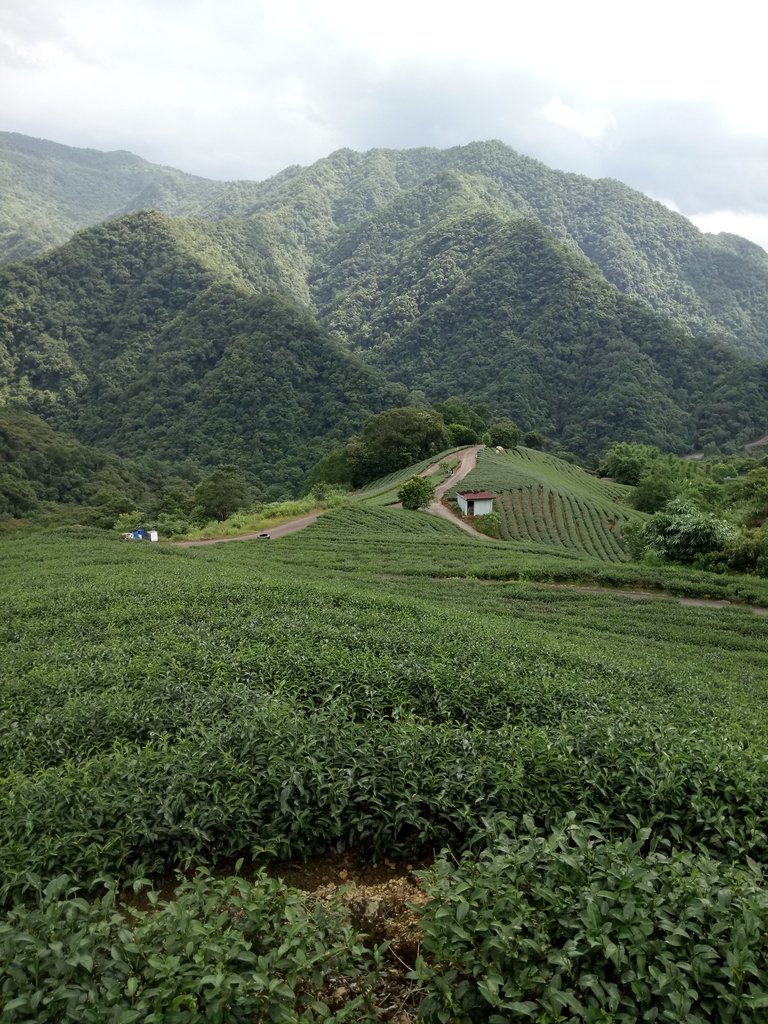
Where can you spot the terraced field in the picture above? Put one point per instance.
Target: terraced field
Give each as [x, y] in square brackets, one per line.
[548, 501]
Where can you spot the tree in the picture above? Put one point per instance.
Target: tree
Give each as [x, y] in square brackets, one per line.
[333, 468]
[393, 439]
[626, 461]
[221, 493]
[681, 532]
[533, 439]
[461, 434]
[504, 433]
[458, 410]
[655, 488]
[416, 493]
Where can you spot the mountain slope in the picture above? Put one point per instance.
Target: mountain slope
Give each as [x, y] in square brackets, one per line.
[703, 282]
[492, 306]
[141, 336]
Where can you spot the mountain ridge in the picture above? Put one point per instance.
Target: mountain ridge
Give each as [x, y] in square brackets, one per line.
[641, 247]
[265, 324]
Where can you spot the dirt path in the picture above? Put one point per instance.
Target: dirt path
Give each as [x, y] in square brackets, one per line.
[467, 462]
[274, 532]
[645, 595]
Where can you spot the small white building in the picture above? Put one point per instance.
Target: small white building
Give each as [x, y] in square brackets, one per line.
[475, 503]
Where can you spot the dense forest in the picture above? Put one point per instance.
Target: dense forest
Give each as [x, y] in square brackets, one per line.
[197, 323]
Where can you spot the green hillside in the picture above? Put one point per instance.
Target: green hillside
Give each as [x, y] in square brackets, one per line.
[136, 337]
[44, 473]
[130, 335]
[496, 309]
[384, 491]
[349, 212]
[265, 324]
[544, 500]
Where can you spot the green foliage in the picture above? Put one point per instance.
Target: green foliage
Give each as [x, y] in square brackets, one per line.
[682, 533]
[139, 337]
[628, 462]
[333, 468]
[569, 926]
[504, 433]
[443, 270]
[460, 434]
[391, 440]
[221, 950]
[221, 493]
[746, 552]
[280, 700]
[489, 524]
[42, 469]
[458, 410]
[533, 439]
[384, 491]
[417, 492]
[655, 487]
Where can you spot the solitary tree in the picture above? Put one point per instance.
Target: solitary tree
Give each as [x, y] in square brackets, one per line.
[416, 493]
[221, 493]
[504, 432]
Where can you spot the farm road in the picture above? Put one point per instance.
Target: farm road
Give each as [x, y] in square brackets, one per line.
[467, 462]
[273, 531]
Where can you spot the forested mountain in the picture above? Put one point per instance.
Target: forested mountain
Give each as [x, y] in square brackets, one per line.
[138, 337]
[703, 282]
[495, 308]
[260, 323]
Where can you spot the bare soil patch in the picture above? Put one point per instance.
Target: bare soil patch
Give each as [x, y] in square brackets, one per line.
[379, 899]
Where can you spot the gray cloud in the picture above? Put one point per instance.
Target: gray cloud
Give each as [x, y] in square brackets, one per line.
[242, 90]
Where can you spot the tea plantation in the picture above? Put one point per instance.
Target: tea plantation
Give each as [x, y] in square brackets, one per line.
[544, 499]
[593, 766]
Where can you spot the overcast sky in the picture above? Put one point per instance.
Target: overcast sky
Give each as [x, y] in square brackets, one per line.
[669, 97]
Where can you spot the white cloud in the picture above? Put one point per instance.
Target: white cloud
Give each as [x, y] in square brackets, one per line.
[591, 124]
[663, 96]
[753, 226]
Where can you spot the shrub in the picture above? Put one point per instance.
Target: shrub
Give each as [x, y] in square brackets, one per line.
[490, 524]
[416, 493]
[222, 950]
[681, 532]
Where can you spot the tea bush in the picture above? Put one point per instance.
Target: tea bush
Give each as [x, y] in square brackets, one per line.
[568, 927]
[222, 951]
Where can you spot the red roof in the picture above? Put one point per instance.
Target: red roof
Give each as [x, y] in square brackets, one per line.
[477, 495]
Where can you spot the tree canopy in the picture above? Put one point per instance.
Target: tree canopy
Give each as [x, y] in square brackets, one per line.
[393, 439]
[221, 493]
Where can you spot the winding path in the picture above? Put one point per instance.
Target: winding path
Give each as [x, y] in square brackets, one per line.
[467, 462]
